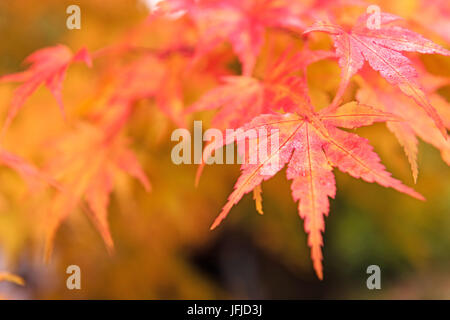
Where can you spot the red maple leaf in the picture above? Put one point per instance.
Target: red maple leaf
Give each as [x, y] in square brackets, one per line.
[382, 48]
[241, 98]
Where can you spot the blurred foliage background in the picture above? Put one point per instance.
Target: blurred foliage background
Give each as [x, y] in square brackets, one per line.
[164, 249]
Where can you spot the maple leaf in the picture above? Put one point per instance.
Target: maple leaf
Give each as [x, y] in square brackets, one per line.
[241, 98]
[87, 162]
[310, 144]
[241, 22]
[415, 122]
[48, 66]
[382, 48]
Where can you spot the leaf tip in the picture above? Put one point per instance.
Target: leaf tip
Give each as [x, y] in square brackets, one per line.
[318, 270]
[258, 199]
[198, 175]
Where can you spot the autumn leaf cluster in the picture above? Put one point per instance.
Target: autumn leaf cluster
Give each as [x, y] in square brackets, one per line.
[248, 62]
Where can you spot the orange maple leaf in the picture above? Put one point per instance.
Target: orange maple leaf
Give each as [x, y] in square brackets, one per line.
[48, 66]
[86, 163]
[310, 144]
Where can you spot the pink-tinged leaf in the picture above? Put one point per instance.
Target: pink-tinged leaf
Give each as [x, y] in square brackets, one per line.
[401, 39]
[310, 145]
[240, 99]
[243, 24]
[253, 174]
[247, 45]
[313, 182]
[243, 98]
[350, 58]
[382, 48]
[48, 67]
